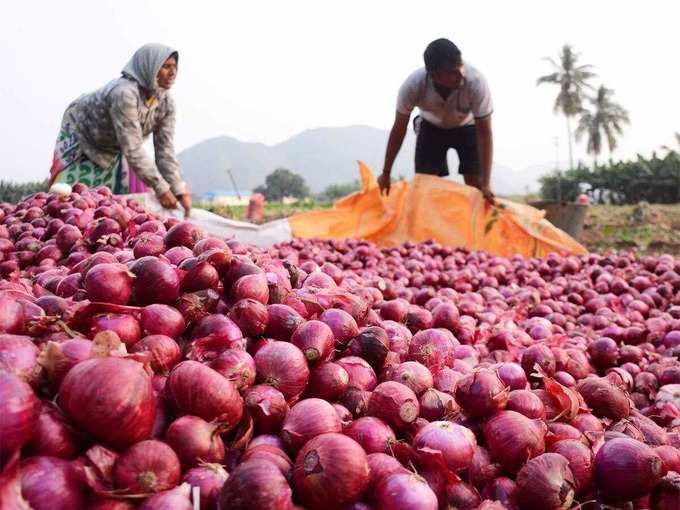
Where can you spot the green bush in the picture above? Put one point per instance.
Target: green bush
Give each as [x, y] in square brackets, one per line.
[13, 192]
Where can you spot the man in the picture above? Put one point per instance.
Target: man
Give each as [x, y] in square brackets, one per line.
[455, 113]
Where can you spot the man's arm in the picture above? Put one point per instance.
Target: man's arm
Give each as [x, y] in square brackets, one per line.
[397, 134]
[485, 149]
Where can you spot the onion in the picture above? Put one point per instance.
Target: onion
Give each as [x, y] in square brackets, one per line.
[315, 339]
[210, 479]
[199, 275]
[603, 352]
[373, 434]
[174, 499]
[272, 454]
[148, 244]
[501, 489]
[605, 399]
[177, 254]
[237, 366]
[20, 410]
[162, 320]
[666, 494]
[53, 436]
[256, 483]
[394, 403]
[545, 482]
[437, 405]
[445, 315]
[125, 326]
[401, 491]
[414, 375]
[328, 381]
[513, 439]
[344, 415]
[446, 380]
[586, 422]
[165, 353]
[541, 355]
[626, 469]
[251, 286]
[512, 375]
[110, 283]
[195, 440]
[283, 366]
[330, 470]
[670, 456]
[342, 324]
[356, 401]
[461, 495]
[308, 419]
[267, 440]
[394, 310]
[196, 389]
[580, 460]
[361, 374]
[19, 356]
[11, 316]
[49, 483]
[110, 398]
[218, 328]
[380, 467]
[282, 322]
[527, 403]
[448, 442]
[267, 406]
[481, 393]
[482, 469]
[155, 282]
[433, 348]
[250, 316]
[147, 467]
[183, 234]
[418, 319]
[371, 344]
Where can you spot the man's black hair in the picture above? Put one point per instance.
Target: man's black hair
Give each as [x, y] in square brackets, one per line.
[441, 54]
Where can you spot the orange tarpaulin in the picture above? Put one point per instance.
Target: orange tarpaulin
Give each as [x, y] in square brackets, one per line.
[430, 207]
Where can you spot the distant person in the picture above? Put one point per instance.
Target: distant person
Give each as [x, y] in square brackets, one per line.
[101, 135]
[455, 113]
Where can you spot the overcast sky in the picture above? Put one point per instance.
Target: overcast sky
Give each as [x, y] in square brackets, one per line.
[264, 71]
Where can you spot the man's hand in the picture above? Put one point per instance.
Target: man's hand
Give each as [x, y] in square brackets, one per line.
[168, 200]
[488, 194]
[185, 201]
[384, 181]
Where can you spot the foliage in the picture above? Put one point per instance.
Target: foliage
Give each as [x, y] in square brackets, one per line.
[604, 122]
[655, 180]
[13, 192]
[336, 191]
[282, 183]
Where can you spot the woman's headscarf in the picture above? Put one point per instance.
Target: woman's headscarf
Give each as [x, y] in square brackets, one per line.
[144, 65]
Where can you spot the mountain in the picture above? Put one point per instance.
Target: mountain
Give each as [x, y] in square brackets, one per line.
[322, 156]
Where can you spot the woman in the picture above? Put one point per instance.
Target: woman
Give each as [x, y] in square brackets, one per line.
[101, 136]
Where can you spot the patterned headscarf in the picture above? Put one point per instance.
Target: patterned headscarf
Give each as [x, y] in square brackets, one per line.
[144, 65]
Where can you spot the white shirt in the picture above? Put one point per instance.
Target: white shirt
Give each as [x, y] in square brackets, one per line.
[469, 101]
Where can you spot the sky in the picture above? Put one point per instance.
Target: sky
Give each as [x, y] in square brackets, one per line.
[263, 71]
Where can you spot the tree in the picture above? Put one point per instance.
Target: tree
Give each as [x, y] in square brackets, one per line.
[14, 192]
[282, 183]
[604, 122]
[572, 80]
[336, 191]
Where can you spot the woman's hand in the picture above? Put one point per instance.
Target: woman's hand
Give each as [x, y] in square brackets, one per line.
[185, 201]
[168, 200]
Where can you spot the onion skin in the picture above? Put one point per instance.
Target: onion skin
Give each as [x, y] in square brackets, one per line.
[165, 352]
[20, 411]
[173, 499]
[580, 460]
[110, 398]
[148, 466]
[267, 406]
[481, 393]
[452, 443]
[437, 405]
[402, 491]
[250, 316]
[49, 483]
[330, 470]
[159, 319]
[626, 469]
[513, 439]
[605, 399]
[394, 403]
[306, 420]
[413, 374]
[545, 482]
[19, 355]
[256, 483]
[210, 479]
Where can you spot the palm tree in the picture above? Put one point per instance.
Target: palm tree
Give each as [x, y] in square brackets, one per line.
[572, 80]
[603, 123]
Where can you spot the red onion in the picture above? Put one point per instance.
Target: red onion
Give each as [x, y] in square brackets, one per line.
[50, 483]
[527, 403]
[545, 482]
[394, 310]
[196, 389]
[250, 316]
[282, 365]
[356, 401]
[155, 282]
[267, 406]
[448, 442]
[603, 352]
[174, 499]
[433, 348]
[19, 356]
[437, 405]
[330, 470]
[373, 434]
[666, 494]
[328, 381]
[414, 375]
[308, 419]
[20, 409]
[541, 355]
[165, 352]
[342, 324]
[198, 275]
[147, 467]
[513, 439]
[110, 283]
[512, 375]
[256, 483]
[217, 327]
[177, 254]
[626, 469]
[580, 460]
[405, 491]
[481, 393]
[501, 489]
[125, 326]
[282, 322]
[315, 339]
[586, 422]
[162, 320]
[53, 436]
[670, 456]
[11, 316]
[371, 344]
[445, 315]
[183, 234]
[394, 403]
[251, 286]
[237, 366]
[195, 440]
[210, 479]
[272, 454]
[446, 380]
[267, 440]
[58, 359]
[482, 469]
[559, 431]
[380, 467]
[605, 399]
[418, 319]
[361, 374]
[344, 415]
[148, 244]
